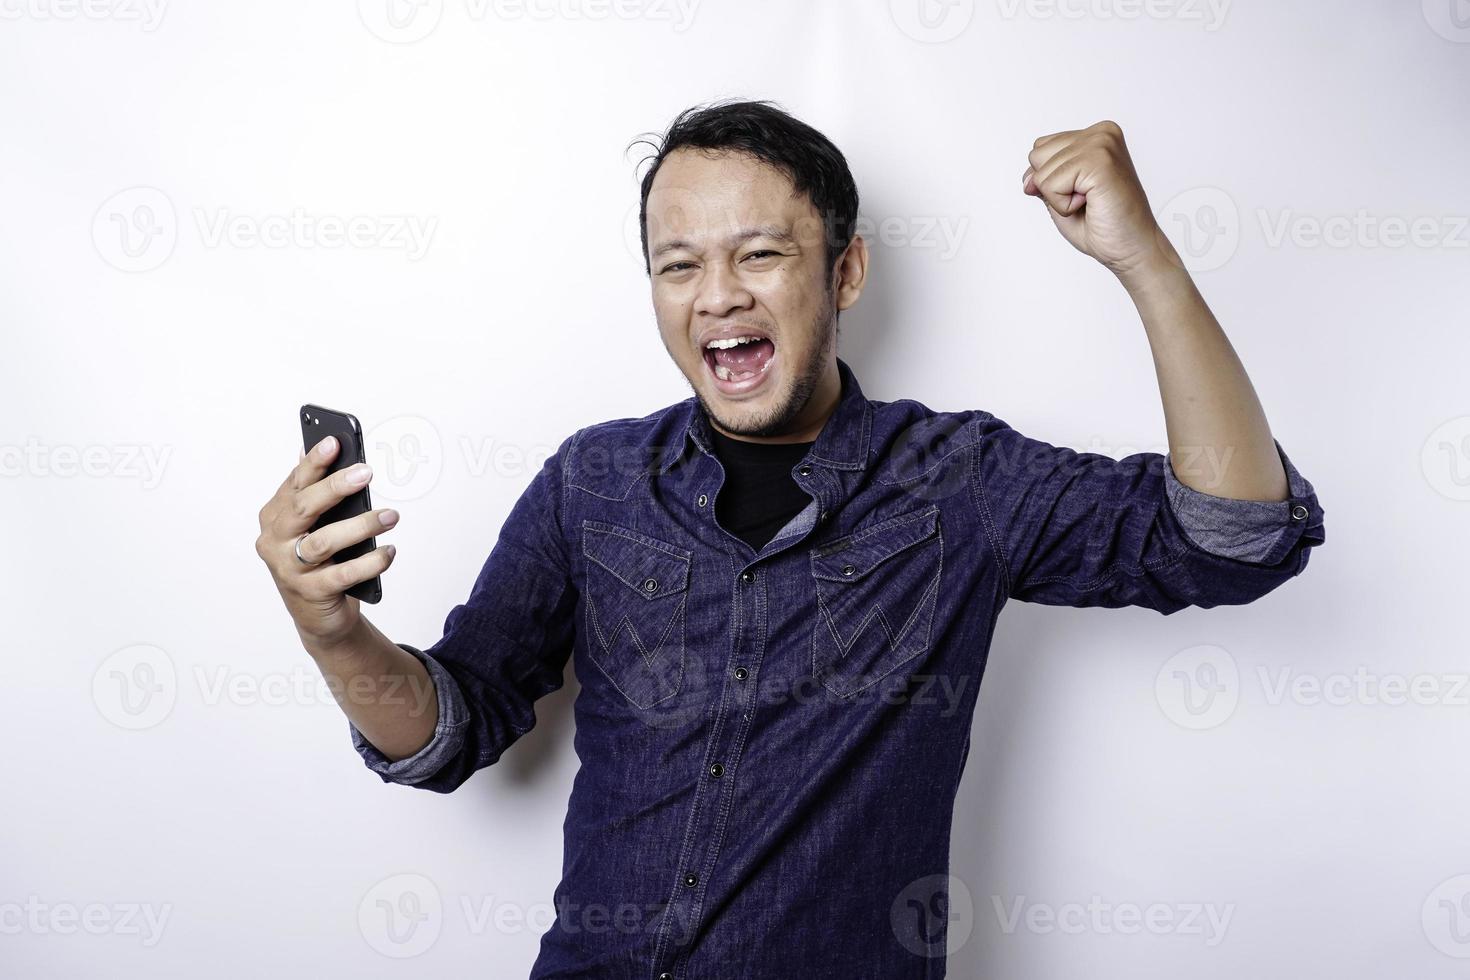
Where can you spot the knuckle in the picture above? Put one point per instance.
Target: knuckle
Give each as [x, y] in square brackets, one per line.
[299, 508]
[337, 579]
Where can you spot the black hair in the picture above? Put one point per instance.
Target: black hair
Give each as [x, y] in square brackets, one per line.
[763, 130]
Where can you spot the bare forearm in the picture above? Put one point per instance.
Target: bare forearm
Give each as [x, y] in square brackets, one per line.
[1219, 440]
[383, 689]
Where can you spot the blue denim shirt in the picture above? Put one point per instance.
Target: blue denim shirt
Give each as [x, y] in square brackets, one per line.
[770, 743]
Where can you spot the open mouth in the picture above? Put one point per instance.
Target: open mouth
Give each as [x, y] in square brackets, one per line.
[740, 364]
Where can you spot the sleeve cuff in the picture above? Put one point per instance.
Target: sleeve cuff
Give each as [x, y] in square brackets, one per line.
[448, 732]
[1255, 531]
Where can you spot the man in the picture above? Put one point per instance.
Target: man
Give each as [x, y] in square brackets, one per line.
[779, 595]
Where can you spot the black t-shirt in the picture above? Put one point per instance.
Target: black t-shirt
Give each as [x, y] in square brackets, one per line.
[759, 496]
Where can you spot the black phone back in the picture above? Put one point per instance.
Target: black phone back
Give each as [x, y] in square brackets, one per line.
[316, 424]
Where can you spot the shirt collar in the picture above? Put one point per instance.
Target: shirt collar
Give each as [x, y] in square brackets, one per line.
[842, 444]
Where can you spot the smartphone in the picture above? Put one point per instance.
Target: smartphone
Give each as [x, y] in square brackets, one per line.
[316, 424]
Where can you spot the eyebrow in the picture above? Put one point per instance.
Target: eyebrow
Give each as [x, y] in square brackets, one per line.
[743, 235]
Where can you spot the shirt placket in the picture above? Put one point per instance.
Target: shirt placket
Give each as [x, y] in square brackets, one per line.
[714, 794]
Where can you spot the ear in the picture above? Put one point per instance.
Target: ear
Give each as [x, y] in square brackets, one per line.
[850, 273]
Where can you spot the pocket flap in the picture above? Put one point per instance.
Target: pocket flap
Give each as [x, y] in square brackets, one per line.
[849, 558]
[646, 565]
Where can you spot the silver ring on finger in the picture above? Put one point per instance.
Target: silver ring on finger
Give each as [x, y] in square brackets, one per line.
[299, 556]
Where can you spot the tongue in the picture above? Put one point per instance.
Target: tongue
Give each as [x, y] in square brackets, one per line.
[750, 356]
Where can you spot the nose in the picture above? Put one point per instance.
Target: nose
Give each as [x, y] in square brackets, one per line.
[721, 292]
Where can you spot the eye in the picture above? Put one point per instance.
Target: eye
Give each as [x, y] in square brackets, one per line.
[764, 251]
[675, 267]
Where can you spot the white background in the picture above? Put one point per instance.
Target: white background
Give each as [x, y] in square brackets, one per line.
[150, 382]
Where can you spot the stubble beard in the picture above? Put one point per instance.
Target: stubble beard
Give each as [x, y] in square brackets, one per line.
[778, 420]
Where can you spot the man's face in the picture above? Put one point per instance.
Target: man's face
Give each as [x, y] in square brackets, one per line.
[734, 252]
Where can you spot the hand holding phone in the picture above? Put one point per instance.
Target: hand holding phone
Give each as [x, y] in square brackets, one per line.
[318, 532]
[318, 423]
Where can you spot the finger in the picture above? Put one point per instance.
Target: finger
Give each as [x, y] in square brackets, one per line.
[1053, 137]
[332, 580]
[305, 506]
[325, 542]
[1058, 185]
[313, 465]
[1048, 147]
[308, 469]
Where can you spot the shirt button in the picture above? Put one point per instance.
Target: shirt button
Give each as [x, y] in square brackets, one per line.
[666, 975]
[703, 500]
[747, 576]
[1298, 513]
[822, 516]
[741, 673]
[848, 569]
[804, 470]
[650, 585]
[691, 879]
[717, 770]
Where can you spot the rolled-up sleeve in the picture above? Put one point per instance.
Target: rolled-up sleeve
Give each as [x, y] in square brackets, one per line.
[448, 732]
[1261, 532]
[503, 648]
[1084, 529]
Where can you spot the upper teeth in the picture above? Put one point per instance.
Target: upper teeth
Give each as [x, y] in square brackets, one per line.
[729, 342]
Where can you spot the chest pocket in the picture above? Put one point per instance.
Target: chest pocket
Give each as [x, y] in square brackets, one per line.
[637, 588]
[876, 592]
